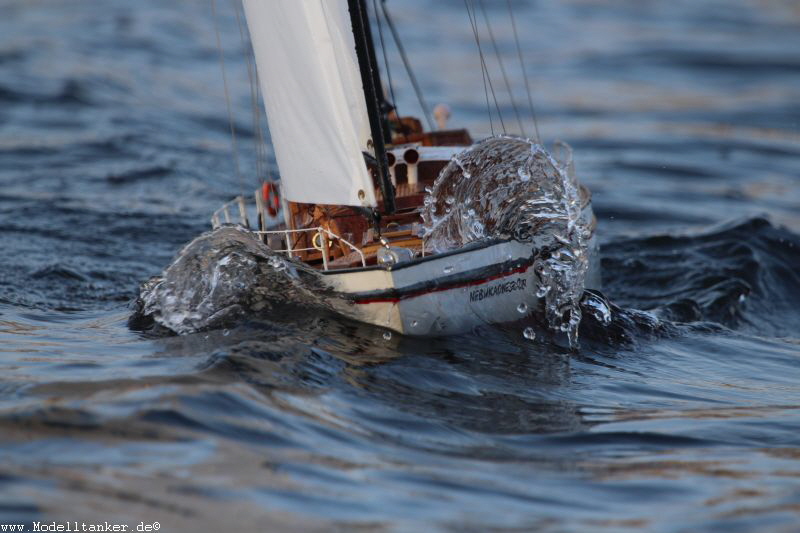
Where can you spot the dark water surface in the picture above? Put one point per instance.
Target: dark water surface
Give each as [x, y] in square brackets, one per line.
[115, 149]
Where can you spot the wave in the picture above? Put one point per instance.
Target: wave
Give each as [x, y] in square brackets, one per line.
[739, 275]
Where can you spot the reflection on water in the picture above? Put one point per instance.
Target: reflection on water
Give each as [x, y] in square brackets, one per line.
[681, 413]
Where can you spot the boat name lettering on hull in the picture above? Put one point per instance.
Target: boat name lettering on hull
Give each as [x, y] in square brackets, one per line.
[518, 284]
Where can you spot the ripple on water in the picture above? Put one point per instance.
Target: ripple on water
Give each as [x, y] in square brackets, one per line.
[681, 413]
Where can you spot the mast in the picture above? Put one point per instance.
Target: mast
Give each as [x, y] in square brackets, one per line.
[370, 79]
[383, 106]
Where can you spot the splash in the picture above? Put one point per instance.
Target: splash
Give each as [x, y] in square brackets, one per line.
[507, 187]
[222, 276]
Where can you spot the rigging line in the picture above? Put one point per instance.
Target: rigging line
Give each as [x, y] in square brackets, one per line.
[502, 66]
[227, 97]
[270, 170]
[269, 162]
[386, 64]
[398, 43]
[473, 18]
[257, 137]
[524, 73]
[483, 74]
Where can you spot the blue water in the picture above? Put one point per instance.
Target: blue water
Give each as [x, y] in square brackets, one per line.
[115, 148]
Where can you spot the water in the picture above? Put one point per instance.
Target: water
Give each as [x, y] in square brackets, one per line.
[682, 413]
[223, 277]
[505, 187]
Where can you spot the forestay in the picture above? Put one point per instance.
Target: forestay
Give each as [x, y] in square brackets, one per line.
[310, 81]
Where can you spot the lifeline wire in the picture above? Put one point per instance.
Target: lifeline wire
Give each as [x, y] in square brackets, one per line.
[502, 66]
[473, 19]
[524, 74]
[401, 50]
[227, 97]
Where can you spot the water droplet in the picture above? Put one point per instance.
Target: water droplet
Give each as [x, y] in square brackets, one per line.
[414, 323]
[542, 290]
[277, 264]
[447, 269]
[477, 229]
[450, 200]
[522, 308]
[523, 174]
[226, 332]
[742, 298]
[387, 335]
[529, 334]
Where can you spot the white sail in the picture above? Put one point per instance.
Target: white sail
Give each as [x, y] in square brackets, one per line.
[311, 84]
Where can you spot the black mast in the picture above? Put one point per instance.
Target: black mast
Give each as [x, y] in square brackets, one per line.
[383, 106]
[370, 79]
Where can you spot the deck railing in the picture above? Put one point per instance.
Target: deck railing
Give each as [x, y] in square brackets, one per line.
[325, 235]
[223, 214]
[227, 214]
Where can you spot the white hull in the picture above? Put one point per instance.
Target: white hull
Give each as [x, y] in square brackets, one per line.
[447, 293]
[441, 294]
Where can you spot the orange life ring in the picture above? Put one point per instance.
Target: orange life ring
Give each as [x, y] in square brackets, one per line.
[272, 199]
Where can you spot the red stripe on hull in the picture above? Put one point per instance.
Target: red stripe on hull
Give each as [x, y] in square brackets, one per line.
[472, 283]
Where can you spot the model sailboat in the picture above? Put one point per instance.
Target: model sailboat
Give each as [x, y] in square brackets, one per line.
[354, 183]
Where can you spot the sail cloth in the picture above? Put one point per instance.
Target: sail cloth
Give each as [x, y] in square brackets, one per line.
[314, 98]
